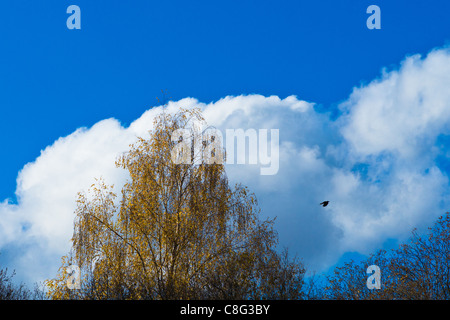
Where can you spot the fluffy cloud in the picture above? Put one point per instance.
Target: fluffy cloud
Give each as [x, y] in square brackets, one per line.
[404, 111]
[391, 129]
[376, 163]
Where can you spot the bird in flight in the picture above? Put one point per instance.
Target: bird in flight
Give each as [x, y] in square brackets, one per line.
[325, 203]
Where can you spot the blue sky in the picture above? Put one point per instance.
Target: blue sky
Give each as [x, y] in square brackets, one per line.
[54, 81]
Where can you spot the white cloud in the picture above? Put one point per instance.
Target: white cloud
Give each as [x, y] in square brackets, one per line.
[42, 219]
[404, 110]
[375, 163]
[392, 125]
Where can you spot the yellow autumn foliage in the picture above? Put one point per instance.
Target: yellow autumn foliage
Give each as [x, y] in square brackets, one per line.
[179, 231]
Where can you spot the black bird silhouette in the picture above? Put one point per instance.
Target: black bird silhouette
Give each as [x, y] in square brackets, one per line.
[325, 203]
